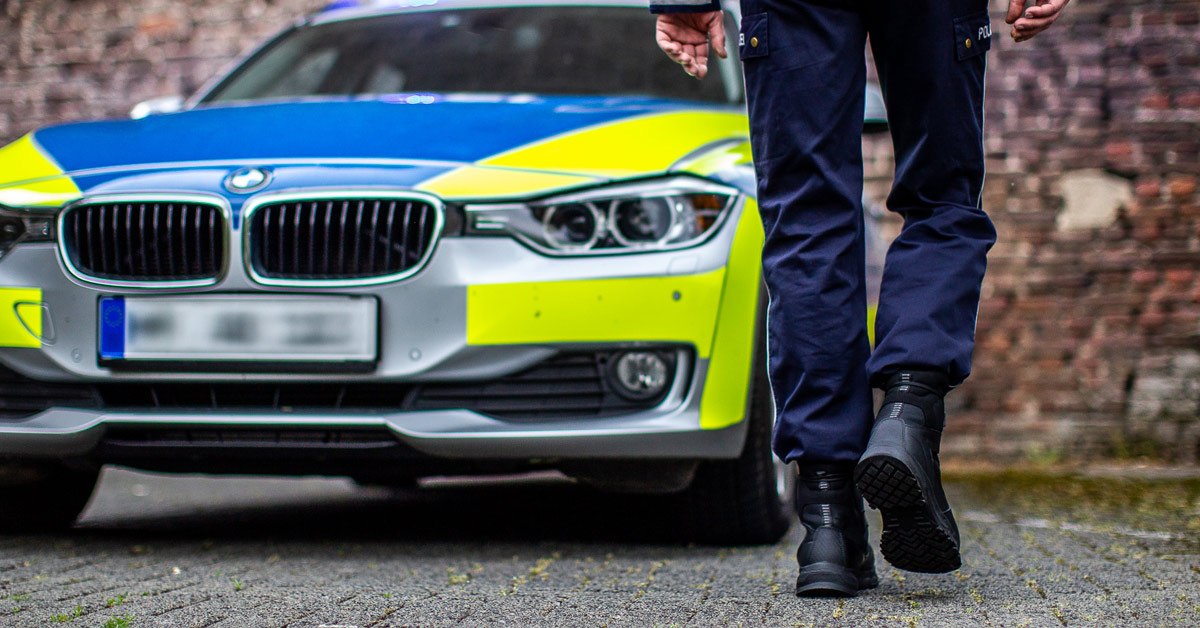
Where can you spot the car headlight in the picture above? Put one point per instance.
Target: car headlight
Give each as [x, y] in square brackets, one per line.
[652, 215]
[24, 225]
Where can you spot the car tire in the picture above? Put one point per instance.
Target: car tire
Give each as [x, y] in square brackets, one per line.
[747, 500]
[42, 497]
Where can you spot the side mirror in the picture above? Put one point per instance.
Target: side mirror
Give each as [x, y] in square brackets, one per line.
[875, 116]
[155, 106]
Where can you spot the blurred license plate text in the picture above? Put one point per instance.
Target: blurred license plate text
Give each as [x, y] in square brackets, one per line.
[224, 328]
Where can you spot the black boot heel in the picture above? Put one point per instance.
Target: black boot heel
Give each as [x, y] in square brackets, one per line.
[900, 476]
[835, 559]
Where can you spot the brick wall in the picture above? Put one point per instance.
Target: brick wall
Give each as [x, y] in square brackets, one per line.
[84, 59]
[1089, 329]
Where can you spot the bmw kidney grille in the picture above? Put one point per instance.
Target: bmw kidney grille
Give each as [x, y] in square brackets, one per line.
[150, 241]
[341, 239]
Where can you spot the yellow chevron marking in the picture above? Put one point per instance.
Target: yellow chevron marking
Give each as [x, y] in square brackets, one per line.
[597, 310]
[473, 182]
[621, 148]
[30, 178]
[718, 160]
[17, 305]
[731, 367]
[715, 312]
[872, 311]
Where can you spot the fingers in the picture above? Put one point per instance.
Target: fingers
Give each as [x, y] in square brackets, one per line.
[1015, 7]
[688, 63]
[694, 60]
[1046, 8]
[1037, 19]
[716, 31]
[701, 66]
[684, 38]
[668, 45]
[1025, 29]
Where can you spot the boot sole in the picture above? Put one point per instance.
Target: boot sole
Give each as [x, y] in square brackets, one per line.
[833, 580]
[913, 539]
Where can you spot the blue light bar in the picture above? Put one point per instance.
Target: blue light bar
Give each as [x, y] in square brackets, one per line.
[341, 4]
[338, 5]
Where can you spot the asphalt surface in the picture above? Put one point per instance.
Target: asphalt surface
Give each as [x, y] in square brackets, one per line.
[180, 552]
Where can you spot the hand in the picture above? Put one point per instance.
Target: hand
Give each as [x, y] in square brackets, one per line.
[1037, 18]
[684, 37]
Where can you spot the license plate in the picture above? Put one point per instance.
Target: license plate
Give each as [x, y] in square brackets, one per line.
[239, 328]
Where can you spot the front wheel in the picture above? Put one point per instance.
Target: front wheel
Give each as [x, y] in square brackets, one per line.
[747, 500]
[42, 496]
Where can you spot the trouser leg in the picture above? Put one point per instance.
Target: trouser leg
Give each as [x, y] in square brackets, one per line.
[805, 80]
[930, 56]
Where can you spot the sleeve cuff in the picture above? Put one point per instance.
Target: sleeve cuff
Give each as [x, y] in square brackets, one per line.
[676, 7]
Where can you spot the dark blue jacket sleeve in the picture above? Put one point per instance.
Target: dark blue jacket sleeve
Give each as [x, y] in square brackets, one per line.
[684, 6]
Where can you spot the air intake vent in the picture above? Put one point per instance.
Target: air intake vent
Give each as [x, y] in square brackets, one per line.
[145, 241]
[570, 385]
[341, 239]
[21, 397]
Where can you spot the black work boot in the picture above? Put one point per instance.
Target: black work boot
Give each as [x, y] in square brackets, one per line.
[900, 476]
[835, 557]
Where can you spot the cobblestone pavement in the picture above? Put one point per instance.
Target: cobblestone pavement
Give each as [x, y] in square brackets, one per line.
[156, 551]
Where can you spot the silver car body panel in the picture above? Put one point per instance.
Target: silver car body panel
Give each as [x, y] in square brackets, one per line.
[423, 320]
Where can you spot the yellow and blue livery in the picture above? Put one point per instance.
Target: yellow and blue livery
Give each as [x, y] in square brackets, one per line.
[401, 240]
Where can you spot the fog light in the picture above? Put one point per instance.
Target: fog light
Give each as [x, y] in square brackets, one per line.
[640, 374]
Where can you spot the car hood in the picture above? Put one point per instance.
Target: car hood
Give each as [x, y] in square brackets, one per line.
[456, 147]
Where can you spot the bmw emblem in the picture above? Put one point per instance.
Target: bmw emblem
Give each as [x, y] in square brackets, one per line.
[247, 180]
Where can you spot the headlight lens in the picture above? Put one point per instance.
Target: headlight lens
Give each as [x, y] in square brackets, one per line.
[643, 220]
[572, 227]
[24, 225]
[653, 215]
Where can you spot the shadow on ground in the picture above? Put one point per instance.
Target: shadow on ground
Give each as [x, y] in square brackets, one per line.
[307, 509]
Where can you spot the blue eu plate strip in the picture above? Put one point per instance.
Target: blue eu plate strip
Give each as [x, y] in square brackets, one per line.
[112, 328]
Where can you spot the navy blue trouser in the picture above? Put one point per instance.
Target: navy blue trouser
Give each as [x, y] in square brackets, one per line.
[805, 74]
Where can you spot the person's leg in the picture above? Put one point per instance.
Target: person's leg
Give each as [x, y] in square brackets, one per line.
[930, 57]
[805, 76]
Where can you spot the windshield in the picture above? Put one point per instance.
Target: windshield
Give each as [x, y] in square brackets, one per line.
[584, 50]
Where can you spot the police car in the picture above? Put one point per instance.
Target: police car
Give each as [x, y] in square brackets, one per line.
[398, 241]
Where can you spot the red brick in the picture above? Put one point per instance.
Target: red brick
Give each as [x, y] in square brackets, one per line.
[1157, 100]
[1155, 19]
[1179, 276]
[1181, 186]
[1149, 188]
[1152, 319]
[1187, 18]
[1144, 276]
[1118, 21]
[1119, 150]
[1156, 60]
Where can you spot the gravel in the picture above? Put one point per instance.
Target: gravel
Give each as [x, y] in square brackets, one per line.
[188, 551]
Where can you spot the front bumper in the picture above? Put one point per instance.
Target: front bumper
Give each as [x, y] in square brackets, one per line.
[442, 434]
[462, 318]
